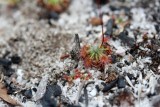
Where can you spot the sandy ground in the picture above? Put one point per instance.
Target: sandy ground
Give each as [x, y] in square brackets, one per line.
[40, 43]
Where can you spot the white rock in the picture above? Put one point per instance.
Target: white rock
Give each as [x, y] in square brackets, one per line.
[41, 88]
[120, 51]
[20, 75]
[93, 92]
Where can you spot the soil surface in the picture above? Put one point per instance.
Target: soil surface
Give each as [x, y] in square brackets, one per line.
[38, 48]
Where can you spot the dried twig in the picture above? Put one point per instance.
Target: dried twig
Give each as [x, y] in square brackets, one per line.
[1, 78]
[86, 93]
[75, 49]
[79, 91]
[6, 97]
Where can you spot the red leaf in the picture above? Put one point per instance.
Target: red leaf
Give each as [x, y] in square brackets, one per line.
[83, 51]
[105, 39]
[104, 59]
[87, 62]
[64, 56]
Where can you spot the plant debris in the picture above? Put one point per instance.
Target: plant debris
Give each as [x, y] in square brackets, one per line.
[6, 97]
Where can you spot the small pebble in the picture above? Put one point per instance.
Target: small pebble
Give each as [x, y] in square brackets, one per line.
[131, 76]
[52, 91]
[5, 62]
[108, 86]
[53, 15]
[151, 95]
[126, 62]
[11, 89]
[34, 89]
[120, 65]
[109, 27]
[97, 87]
[8, 71]
[121, 82]
[158, 81]
[55, 90]
[15, 59]
[48, 101]
[126, 39]
[93, 92]
[81, 99]
[24, 100]
[157, 27]
[114, 60]
[28, 93]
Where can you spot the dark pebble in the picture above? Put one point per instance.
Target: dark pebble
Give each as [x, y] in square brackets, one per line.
[24, 100]
[34, 89]
[15, 59]
[157, 27]
[130, 76]
[53, 15]
[5, 66]
[11, 88]
[7, 71]
[114, 60]
[64, 82]
[123, 36]
[89, 33]
[52, 91]
[28, 93]
[151, 95]
[158, 81]
[121, 82]
[154, 16]
[5, 62]
[68, 72]
[134, 50]
[81, 99]
[126, 62]
[108, 86]
[48, 15]
[113, 8]
[75, 65]
[97, 87]
[109, 27]
[49, 102]
[120, 65]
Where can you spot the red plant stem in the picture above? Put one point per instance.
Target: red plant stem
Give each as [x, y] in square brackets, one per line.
[100, 15]
[102, 32]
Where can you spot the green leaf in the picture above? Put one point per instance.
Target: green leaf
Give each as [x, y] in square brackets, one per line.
[53, 1]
